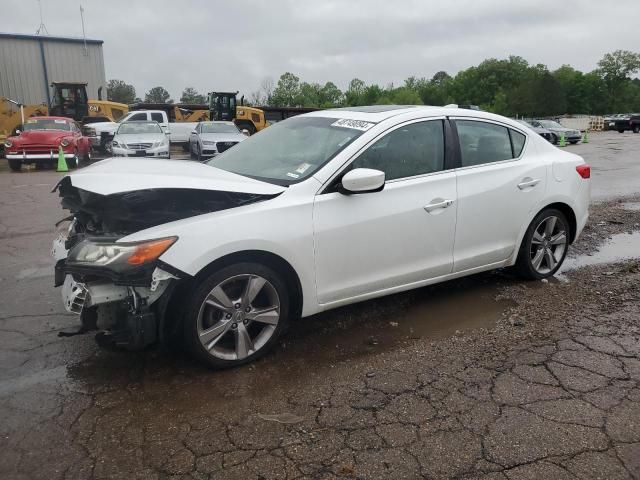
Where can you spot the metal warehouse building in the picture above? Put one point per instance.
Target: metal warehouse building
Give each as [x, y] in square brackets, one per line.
[29, 63]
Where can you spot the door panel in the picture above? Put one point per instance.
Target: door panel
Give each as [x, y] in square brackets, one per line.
[374, 241]
[494, 199]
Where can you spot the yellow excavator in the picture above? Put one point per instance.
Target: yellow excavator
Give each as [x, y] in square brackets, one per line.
[69, 100]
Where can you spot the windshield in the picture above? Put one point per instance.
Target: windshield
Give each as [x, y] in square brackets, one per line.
[131, 128]
[47, 124]
[291, 150]
[550, 124]
[219, 128]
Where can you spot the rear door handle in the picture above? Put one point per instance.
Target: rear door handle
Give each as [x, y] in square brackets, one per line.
[528, 182]
[437, 205]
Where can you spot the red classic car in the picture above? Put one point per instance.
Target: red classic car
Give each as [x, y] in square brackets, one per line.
[40, 139]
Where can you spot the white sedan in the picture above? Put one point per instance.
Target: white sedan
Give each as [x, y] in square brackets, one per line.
[140, 139]
[320, 210]
[209, 139]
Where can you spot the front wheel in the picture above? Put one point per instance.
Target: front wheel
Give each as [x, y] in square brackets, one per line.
[573, 142]
[544, 246]
[236, 315]
[15, 165]
[636, 129]
[554, 139]
[620, 130]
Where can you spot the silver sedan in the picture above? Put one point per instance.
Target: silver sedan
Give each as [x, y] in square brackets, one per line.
[209, 139]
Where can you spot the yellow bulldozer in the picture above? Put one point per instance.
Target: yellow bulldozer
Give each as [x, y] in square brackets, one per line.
[69, 100]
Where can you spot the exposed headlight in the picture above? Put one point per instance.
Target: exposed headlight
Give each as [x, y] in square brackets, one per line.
[208, 142]
[7, 143]
[118, 256]
[114, 143]
[65, 142]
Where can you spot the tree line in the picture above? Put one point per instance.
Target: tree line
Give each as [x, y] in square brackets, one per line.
[122, 92]
[509, 87]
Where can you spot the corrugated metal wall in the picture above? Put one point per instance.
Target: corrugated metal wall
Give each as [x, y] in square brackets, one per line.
[22, 76]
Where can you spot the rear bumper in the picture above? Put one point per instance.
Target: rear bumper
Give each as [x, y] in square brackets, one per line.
[37, 156]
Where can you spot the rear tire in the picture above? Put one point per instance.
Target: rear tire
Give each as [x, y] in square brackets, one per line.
[620, 131]
[573, 142]
[636, 129]
[254, 305]
[544, 246]
[15, 165]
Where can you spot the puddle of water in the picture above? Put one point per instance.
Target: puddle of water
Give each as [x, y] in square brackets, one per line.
[623, 246]
[632, 206]
[313, 345]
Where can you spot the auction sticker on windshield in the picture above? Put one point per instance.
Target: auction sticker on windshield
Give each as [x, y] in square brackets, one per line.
[354, 124]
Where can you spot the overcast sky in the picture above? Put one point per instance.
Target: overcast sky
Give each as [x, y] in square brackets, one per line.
[234, 44]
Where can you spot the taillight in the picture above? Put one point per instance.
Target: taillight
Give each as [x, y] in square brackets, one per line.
[584, 171]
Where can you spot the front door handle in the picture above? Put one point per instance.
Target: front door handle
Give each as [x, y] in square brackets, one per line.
[437, 204]
[528, 183]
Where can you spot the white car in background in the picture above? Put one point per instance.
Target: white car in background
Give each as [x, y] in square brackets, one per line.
[141, 139]
[209, 139]
[317, 211]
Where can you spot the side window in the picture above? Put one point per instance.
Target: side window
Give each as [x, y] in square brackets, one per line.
[482, 142]
[138, 116]
[414, 149]
[157, 117]
[517, 142]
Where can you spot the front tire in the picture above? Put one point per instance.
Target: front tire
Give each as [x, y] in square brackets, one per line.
[236, 315]
[636, 129]
[573, 142]
[554, 139]
[15, 165]
[544, 246]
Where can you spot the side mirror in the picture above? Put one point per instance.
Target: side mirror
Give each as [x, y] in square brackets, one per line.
[362, 180]
[245, 132]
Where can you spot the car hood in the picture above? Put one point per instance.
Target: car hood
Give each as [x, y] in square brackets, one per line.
[117, 175]
[42, 136]
[104, 126]
[222, 137]
[140, 137]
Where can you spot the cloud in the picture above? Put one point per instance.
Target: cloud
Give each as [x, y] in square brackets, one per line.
[233, 45]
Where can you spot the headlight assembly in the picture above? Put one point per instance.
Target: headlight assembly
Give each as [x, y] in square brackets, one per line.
[65, 142]
[118, 256]
[207, 142]
[7, 143]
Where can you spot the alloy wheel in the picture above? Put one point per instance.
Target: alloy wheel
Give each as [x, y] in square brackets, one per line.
[238, 317]
[548, 245]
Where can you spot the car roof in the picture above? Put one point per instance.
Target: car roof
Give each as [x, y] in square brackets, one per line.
[217, 122]
[380, 113]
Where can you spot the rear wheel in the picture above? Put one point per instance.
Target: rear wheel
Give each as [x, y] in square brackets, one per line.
[236, 315]
[15, 165]
[636, 129]
[620, 130]
[573, 142]
[544, 246]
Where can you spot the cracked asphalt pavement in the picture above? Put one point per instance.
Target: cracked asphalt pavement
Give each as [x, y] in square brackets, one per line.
[487, 377]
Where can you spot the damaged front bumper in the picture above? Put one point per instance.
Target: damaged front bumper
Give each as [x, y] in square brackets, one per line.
[128, 309]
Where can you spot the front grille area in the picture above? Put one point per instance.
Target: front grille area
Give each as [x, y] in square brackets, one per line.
[222, 146]
[37, 149]
[138, 146]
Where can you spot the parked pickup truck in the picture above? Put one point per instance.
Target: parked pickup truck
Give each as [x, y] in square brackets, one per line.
[101, 133]
[630, 122]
